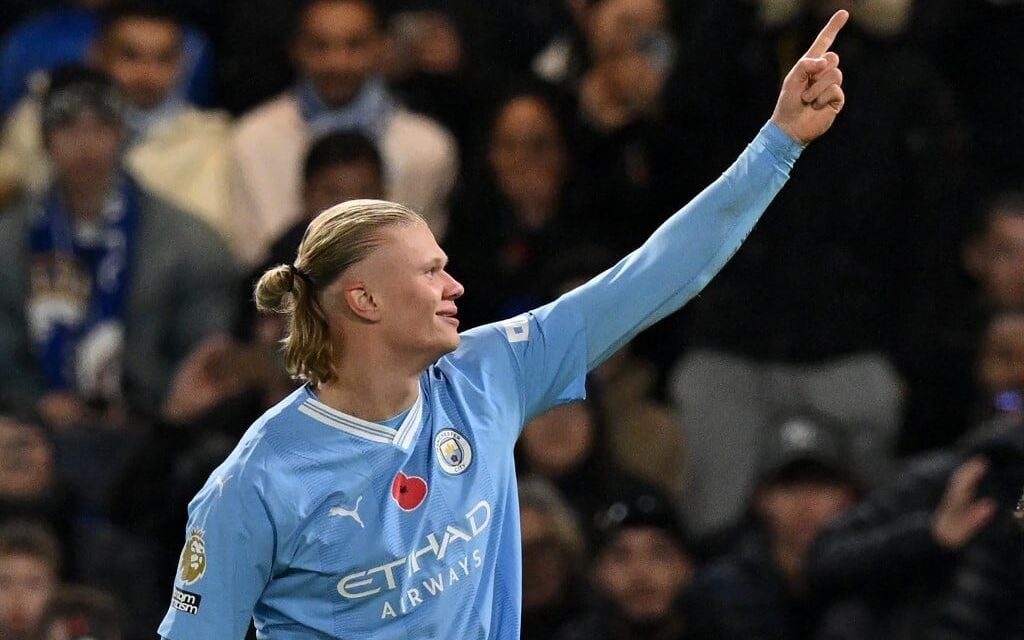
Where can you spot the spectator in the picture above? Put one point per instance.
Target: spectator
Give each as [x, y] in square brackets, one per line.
[994, 255]
[80, 613]
[944, 396]
[175, 150]
[643, 438]
[936, 554]
[428, 66]
[338, 51]
[30, 487]
[68, 334]
[340, 166]
[63, 36]
[29, 566]
[625, 138]
[771, 332]
[643, 567]
[527, 209]
[567, 446]
[1001, 368]
[553, 560]
[758, 591]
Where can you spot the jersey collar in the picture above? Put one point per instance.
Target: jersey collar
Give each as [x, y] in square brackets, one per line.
[402, 437]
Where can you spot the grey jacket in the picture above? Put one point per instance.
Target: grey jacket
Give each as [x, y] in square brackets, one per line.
[181, 291]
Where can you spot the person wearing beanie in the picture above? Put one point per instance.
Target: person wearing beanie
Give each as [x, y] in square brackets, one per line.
[174, 149]
[106, 286]
[644, 564]
[758, 589]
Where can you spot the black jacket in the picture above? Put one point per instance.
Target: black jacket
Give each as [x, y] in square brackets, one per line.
[882, 552]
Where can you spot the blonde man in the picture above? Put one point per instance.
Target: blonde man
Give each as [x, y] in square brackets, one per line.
[379, 499]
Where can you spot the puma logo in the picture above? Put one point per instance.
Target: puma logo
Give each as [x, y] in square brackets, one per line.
[350, 513]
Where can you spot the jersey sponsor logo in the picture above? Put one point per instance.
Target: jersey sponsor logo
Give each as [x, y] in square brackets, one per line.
[408, 491]
[193, 558]
[433, 585]
[453, 451]
[385, 579]
[517, 329]
[186, 601]
[353, 513]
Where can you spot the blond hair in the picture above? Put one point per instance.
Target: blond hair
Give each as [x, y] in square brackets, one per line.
[334, 241]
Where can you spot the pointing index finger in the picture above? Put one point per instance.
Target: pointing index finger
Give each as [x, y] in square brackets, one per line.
[827, 36]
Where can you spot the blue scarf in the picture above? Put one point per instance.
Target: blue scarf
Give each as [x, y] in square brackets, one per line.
[80, 276]
[368, 113]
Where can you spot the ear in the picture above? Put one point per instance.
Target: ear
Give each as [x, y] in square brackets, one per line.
[360, 301]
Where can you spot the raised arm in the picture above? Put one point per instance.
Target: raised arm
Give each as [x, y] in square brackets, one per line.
[684, 254]
[552, 347]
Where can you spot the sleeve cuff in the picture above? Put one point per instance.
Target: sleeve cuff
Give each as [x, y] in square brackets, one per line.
[779, 144]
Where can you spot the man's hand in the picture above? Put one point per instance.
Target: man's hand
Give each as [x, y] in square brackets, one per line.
[812, 92]
[959, 516]
[64, 410]
[213, 371]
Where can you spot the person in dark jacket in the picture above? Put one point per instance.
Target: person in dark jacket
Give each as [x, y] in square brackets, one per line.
[644, 564]
[937, 554]
[106, 287]
[553, 559]
[758, 590]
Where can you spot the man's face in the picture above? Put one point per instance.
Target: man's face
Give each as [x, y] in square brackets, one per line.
[795, 512]
[527, 153]
[413, 296]
[559, 440]
[85, 152]
[26, 461]
[337, 48]
[996, 259]
[26, 584]
[643, 571]
[1001, 366]
[618, 26]
[340, 182]
[143, 57]
[546, 564]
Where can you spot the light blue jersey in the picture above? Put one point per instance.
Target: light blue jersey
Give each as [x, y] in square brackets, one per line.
[323, 525]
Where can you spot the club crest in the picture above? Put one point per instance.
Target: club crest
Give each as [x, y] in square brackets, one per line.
[453, 451]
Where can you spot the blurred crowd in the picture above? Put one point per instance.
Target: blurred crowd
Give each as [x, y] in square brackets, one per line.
[828, 443]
